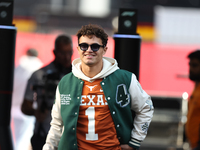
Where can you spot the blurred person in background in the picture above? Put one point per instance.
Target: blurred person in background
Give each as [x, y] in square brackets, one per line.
[193, 116]
[40, 91]
[23, 124]
[94, 103]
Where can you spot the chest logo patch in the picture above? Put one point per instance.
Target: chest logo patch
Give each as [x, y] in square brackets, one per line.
[122, 96]
[65, 99]
[91, 87]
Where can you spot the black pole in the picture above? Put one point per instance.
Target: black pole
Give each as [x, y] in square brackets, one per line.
[7, 54]
[127, 42]
[127, 52]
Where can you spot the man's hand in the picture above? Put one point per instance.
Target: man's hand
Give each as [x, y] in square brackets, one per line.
[127, 147]
[27, 107]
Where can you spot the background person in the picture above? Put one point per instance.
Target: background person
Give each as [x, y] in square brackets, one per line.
[41, 89]
[193, 119]
[94, 103]
[23, 124]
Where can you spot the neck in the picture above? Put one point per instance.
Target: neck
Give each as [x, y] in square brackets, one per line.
[91, 71]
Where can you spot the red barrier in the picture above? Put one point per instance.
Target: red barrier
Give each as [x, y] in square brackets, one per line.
[162, 67]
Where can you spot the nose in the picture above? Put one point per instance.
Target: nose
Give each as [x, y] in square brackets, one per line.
[89, 49]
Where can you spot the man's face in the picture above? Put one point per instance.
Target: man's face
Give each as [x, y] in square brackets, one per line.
[63, 55]
[91, 58]
[194, 69]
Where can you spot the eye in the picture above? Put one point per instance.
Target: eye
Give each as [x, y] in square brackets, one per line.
[95, 46]
[83, 46]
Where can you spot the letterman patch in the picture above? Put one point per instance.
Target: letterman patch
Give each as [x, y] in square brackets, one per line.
[149, 102]
[65, 99]
[145, 127]
[122, 96]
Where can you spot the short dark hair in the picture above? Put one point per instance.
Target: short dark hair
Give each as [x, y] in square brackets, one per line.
[93, 29]
[32, 52]
[62, 40]
[194, 54]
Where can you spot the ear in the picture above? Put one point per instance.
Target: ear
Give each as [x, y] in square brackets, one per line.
[54, 52]
[105, 50]
[78, 50]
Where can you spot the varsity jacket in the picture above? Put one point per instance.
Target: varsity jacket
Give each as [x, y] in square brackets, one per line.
[116, 83]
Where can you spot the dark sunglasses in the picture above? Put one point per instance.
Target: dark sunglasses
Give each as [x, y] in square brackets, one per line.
[95, 47]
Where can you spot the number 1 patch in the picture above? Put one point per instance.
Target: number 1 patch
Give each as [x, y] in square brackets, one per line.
[122, 96]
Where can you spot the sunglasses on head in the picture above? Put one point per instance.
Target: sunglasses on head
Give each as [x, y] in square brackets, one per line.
[95, 47]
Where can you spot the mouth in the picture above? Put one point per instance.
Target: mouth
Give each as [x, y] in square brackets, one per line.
[89, 55]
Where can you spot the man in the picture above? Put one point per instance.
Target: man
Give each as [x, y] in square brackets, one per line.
[93, 104]
[193, 120]
[40, 87]
[23, 124]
